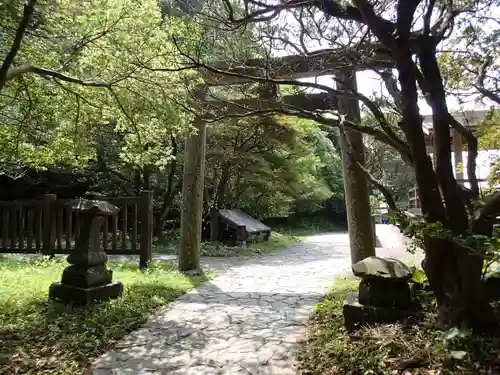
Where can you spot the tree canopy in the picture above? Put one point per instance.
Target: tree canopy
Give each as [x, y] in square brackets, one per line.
[100, 89]
[83, 70]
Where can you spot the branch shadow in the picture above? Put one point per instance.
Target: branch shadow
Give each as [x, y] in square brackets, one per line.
[235, 335]
[41, 336]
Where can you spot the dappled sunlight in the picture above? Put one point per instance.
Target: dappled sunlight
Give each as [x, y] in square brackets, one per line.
[40, 335]
[251, 318]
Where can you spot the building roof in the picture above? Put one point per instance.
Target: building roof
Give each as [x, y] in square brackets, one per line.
[471, 118]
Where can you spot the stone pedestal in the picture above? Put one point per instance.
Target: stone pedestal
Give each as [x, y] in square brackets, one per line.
[384, 293]
[492, 286]
[87, 279]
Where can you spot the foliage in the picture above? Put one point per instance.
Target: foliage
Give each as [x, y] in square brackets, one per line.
[386, 165]
[50, 118]
[305, 226]
[277, 241]
[419, 348]
[470, 63]
[113, 109]
[40, 337]
[271, 167]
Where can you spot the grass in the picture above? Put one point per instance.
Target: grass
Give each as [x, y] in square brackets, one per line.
[391, 349]
[307, 226]
[42, 337]
[277, 241]
[281, 237]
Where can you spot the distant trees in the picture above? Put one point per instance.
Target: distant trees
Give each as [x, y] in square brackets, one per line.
[94, 89]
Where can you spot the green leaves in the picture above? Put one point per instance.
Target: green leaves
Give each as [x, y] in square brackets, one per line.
[419, 276]
[458, 354]
[125, 44]
[452, 337]
[456, 333]
[276, 165]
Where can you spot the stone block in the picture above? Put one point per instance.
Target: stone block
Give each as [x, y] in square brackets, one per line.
[384, 293]
[356, 314]
[84, 296]
[382, 268]
[492, 287]
[86, 277]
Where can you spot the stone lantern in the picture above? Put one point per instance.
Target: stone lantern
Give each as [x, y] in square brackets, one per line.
[87, 279]
[384, 293]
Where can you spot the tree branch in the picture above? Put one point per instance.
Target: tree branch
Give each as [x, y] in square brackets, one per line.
[383, 189]
[26, 69]
[318, 117]
[405, 12]
[462, 130]
[377, 24]
[427, 17]
[480, 81]
[29, 9]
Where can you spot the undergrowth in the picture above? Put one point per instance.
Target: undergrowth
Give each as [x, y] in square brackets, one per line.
[277, 241]
[392, 349]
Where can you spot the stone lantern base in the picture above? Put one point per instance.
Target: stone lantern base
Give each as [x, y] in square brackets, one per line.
[86, 279]
[84, 296]
[384, 293]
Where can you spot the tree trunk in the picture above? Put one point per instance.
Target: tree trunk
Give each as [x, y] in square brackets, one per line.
[454, 271]
[222, 187]
[168, 196]
[137, 182]
[455, 207]
[146, 176]
[454, 274]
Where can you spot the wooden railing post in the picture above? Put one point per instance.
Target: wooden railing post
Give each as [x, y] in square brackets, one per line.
[146, 231]
[48, 224]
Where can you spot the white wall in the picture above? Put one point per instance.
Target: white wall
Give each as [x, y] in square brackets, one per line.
[484, 161]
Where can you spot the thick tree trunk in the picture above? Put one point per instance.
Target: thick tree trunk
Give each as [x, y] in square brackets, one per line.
[192, 199]
[146, 176]
[429, 194]
[453, 270]
[455, 206]
[137, 182]
[454, 273]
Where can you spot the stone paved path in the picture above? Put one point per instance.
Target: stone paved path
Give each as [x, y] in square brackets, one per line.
[245, 321]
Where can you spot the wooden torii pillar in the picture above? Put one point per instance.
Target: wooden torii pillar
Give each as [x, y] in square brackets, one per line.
[357, 195]
[192, 198]
[361, 234]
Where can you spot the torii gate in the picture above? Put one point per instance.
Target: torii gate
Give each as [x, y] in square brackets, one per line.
[359, 220]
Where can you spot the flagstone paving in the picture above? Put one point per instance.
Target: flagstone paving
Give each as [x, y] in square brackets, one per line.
[248, 320]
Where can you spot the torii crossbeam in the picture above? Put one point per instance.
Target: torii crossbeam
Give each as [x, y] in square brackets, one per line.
[359, 220]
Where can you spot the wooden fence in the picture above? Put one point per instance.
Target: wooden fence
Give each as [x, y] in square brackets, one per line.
[49, 226]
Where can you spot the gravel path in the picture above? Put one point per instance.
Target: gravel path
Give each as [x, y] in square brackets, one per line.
[248, 320]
